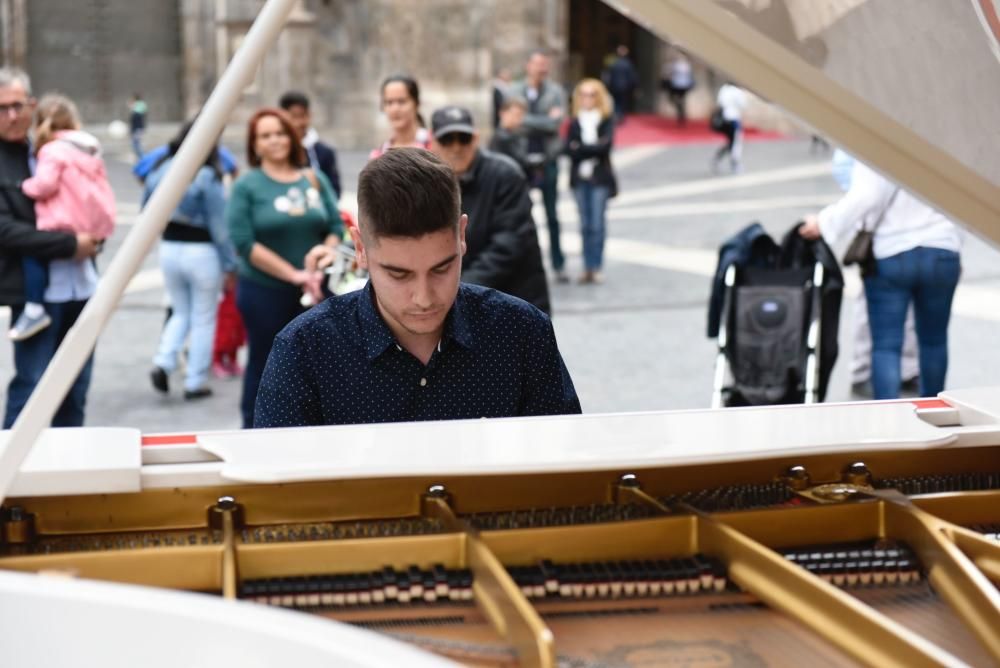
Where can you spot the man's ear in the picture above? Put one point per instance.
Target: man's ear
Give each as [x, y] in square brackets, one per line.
[359, 246]
[463, 222]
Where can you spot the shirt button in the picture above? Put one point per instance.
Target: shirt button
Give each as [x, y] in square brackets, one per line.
[423, 381]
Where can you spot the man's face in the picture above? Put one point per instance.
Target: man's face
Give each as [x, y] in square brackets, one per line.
[415, 280]
[300, 118]
[538, 67]
[458, 149]
[16, 109]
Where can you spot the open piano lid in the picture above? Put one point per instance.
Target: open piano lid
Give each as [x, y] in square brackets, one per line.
[909, 92]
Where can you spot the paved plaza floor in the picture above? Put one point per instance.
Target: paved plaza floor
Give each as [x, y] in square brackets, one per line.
[635, 343]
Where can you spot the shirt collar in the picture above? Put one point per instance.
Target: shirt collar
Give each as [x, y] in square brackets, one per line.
[376, 334]
[378, 337]
[456, 326]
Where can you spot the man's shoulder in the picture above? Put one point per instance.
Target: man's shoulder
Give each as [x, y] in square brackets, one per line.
[251, 180]
[498, 310]
[13, 159]
[502, 165]
[323, 147]
[327, 321]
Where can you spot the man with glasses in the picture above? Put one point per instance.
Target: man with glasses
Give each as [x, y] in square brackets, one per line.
[502, 241]
[20, 238]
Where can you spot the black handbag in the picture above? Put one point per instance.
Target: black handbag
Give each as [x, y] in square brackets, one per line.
[717, 121]
[861, 249]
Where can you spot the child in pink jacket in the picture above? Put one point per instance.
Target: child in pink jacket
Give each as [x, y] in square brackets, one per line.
[71, 192]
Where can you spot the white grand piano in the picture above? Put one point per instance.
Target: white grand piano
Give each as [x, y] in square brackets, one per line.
[837, 534]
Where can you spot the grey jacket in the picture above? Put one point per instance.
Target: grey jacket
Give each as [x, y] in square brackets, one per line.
[537, 123]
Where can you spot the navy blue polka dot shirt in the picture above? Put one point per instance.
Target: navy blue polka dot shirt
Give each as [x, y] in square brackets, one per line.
[340, 364]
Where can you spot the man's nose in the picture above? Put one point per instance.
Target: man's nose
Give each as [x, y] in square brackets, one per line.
[423, 294]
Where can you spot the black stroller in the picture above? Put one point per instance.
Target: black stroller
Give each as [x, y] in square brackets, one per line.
[775, 311]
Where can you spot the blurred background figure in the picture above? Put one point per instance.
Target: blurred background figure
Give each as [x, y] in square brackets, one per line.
[284, 223]
[137, 110]
[917, 261]
[591, 136]
[509, 139]
[195, 257]
[546, 110]
[501, 238]
[322, 157]
[622, 79]
[71, 192]
[230, 335]
[677, 79]
[730, 103]
[861, 355]
[501, 89]
[401, 106]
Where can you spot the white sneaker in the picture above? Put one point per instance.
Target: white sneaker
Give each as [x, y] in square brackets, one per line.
[26, 327]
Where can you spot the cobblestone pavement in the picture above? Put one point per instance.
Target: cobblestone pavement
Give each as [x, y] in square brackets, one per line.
[636, 342]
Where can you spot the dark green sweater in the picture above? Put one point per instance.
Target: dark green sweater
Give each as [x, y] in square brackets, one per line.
[288, 218]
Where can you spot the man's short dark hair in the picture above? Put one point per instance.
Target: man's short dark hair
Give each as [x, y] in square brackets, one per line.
[407, 192]
[294, 98]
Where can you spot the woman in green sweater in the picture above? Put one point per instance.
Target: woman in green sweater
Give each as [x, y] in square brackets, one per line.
[283, 221]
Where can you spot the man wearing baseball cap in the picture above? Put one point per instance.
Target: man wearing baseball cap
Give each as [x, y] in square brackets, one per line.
[503, 250]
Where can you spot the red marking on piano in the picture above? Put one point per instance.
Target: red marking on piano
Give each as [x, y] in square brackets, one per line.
[930, 403]
[170, 439]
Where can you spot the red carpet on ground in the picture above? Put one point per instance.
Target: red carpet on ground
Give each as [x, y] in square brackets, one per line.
[652, 129]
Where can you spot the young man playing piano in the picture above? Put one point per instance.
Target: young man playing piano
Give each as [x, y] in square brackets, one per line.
[415, 344]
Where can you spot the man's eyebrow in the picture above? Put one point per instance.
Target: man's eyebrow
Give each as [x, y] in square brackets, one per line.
[404, 270]
[445, 261]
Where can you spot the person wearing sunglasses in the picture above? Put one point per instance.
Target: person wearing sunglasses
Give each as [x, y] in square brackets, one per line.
[503, 251]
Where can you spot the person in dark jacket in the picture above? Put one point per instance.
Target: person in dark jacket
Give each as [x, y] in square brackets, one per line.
[321, 155]
[591, 135]
[19, 238]
[502, 243]
[509, 137]
[622, 79]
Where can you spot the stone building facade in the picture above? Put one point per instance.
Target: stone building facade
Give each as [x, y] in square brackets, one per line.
[338, 51]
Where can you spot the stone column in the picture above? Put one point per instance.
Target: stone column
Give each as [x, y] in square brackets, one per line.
[13, 33]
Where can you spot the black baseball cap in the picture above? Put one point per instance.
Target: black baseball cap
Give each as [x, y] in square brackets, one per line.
[452, 119]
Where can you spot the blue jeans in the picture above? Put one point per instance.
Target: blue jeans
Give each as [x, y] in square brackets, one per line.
[927, 277]
[33, 355]
[592, 200]
[136, 138]
[266, 310]
[36, 279]
[192, 275]
[550, 195]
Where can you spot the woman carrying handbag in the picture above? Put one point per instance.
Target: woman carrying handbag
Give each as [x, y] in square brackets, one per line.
[916, 259]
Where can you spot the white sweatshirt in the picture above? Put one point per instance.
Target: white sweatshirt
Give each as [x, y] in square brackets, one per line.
[907, 222]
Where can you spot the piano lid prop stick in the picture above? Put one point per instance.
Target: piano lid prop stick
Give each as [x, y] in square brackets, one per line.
[82, 338]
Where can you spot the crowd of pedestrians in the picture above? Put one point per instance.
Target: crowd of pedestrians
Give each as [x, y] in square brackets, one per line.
[244, 252]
